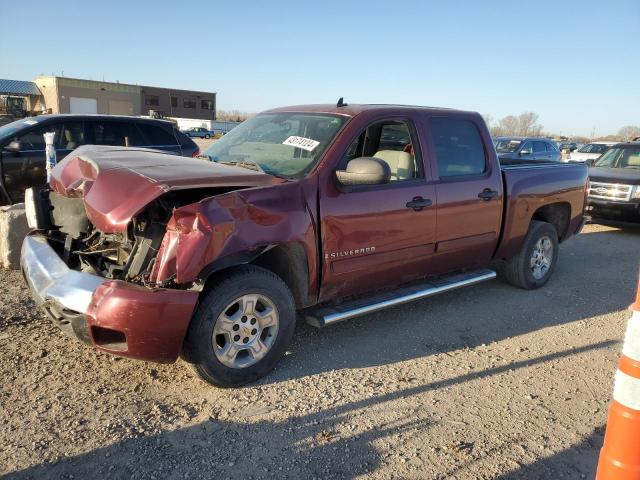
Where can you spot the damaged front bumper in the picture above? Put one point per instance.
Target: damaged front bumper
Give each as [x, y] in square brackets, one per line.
[114, 316]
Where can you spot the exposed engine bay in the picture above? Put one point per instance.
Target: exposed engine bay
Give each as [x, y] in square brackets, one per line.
[128, 256]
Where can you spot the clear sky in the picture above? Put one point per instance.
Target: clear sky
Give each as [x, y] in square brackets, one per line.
[575, 63]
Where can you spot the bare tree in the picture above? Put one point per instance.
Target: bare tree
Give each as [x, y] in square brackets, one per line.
[528, 125]
[629, 132]
[509, 125]
[232, 115]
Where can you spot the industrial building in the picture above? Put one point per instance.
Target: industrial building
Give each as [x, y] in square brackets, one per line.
[54, 94]
[19, 98]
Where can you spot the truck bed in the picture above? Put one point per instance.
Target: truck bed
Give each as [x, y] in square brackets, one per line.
[529, 187]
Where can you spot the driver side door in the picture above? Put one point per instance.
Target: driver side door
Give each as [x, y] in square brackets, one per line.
[26, 168]
[378, 236]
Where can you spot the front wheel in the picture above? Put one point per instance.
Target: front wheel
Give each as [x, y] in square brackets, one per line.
[532, 267]
[241, 328]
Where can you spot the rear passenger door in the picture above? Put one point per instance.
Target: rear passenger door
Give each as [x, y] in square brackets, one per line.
[469, 193]
[104, 132]
[26, 168]
[540, 151]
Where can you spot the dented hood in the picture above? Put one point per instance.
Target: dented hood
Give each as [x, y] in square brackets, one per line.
[118, 182]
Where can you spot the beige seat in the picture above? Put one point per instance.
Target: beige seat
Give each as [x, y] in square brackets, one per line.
[401, 163]
[71, 139]
[633, 161]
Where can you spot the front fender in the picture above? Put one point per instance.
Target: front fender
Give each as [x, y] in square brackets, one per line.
[233, 227]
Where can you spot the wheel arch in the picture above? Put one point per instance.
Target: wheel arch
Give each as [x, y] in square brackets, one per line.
[288, 261]
[557, 214]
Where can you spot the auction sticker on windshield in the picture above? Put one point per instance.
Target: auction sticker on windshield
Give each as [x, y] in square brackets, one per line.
[307, 144]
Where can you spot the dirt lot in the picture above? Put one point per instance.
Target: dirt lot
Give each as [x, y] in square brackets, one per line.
[203, 143]
[487, 382]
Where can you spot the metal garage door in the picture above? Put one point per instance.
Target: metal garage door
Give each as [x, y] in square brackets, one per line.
[120, 107]
[83, 105]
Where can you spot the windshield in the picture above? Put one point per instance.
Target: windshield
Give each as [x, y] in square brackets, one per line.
[594, 148]
[507, 145]
[10, 129]
[620, 157]
[282, 144]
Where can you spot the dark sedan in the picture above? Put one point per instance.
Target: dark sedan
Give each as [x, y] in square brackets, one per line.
[22, 147]
[527, 148]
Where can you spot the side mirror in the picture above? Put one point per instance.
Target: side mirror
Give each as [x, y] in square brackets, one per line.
[365, 171]
[14, 146]
[590, 162]
[525, 152]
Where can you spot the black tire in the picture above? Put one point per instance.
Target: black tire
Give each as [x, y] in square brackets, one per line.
[199, 342]
[207, 136]
[517, 270]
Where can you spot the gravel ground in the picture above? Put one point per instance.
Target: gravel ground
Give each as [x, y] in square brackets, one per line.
[487, 382]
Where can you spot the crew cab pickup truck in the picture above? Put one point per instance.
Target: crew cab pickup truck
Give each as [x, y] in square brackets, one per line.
[321, 212]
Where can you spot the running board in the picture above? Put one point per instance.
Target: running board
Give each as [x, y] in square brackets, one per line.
[323, 316]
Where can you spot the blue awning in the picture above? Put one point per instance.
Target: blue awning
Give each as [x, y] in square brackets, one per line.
[18, 87]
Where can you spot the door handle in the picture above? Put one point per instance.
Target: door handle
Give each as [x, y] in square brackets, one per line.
[487, 194]
[418, 203]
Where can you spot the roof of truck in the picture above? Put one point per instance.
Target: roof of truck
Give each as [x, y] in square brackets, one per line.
[352, 110]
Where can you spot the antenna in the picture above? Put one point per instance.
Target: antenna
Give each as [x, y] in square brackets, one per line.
[341, 103]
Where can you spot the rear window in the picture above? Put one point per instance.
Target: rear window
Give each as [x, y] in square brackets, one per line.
[184, 140]
[156, 136]
[459, 147]
[594, 148]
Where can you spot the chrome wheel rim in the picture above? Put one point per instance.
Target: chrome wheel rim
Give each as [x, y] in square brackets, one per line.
[541, 257]
[245, 331]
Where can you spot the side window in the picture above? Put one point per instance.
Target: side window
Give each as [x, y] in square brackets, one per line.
[392, 142]
[458, 146]
[538, 147]
[156, 136]
[527, 147]
[34, 140]
[71, 136]
[135, 138]
[551, 147]
[108, 133]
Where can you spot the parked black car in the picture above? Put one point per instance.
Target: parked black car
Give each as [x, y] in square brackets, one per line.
[614, 184]
[22, 148]
[527, 148]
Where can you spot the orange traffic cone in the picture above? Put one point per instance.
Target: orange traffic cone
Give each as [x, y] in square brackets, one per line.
[620, 454]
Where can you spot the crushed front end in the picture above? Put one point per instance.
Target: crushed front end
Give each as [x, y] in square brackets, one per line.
[119, 241]
[94, 285]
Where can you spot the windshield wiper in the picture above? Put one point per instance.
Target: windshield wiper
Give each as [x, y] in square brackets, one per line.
[250, 164]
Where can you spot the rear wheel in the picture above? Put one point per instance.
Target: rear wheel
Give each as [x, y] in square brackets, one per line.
[241, 328]
[207, 136]
[535, 263]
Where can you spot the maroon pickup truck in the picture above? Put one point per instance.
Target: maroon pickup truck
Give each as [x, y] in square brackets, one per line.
[326, 211]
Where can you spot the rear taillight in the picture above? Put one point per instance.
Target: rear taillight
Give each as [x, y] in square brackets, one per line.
[196, 153]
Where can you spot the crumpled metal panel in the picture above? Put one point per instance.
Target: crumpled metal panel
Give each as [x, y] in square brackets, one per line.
[240, 221]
